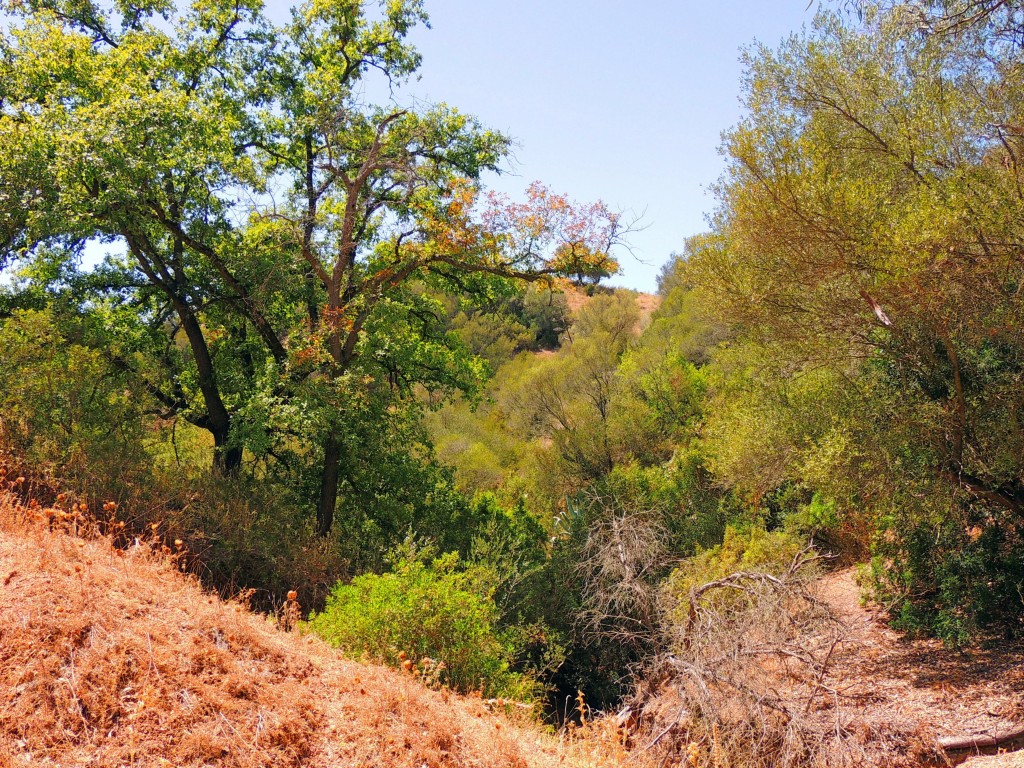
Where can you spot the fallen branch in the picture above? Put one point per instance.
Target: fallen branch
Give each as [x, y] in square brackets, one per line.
[983, 742]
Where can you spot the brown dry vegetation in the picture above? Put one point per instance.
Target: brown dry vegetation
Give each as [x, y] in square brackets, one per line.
[875, 698]
[111, 657]
[887, 681]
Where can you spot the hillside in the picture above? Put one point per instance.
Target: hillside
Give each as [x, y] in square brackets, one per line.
[110, 657]
[647, 303]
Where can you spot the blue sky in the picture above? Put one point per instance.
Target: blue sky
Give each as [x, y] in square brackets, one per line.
[622, 101]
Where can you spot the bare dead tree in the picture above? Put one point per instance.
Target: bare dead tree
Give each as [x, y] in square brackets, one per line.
[623, 560]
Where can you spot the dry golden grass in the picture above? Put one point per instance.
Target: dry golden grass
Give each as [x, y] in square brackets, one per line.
[111, 657]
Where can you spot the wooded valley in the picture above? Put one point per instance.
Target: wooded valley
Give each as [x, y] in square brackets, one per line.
[292, 338]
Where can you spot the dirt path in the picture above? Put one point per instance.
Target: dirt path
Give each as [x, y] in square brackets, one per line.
[920, 686]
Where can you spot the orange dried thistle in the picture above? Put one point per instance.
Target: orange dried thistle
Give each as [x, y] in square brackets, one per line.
[407, 665]
[292, 595]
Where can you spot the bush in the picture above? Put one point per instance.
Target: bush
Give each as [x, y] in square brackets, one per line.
[957, 575]
[63, 404]
[754, 549]
[438, 611]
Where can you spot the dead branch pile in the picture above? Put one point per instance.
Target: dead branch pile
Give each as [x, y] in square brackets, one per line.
[747, 683]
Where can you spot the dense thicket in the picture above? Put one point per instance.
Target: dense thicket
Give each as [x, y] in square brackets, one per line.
[868, 252]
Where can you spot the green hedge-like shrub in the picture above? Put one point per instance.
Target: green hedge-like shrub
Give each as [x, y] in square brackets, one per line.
[437, 611]
[958, 575]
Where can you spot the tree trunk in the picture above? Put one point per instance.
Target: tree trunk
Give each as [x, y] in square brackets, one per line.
[328, 487]
[225, 460]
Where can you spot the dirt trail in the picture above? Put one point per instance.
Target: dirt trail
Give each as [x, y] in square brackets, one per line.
[887, 680]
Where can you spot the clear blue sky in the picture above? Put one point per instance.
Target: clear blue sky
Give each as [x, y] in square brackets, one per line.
[622, 101]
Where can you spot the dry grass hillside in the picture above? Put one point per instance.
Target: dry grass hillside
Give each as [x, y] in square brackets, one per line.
[111, 657]
[647, 303]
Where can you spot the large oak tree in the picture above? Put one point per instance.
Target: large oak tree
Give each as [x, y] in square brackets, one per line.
[278, 231]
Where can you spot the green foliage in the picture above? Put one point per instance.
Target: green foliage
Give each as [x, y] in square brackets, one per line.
[494, 337]
[439, 610]
[287, 326]
[948, 570]
[583, 264]
[530, 318]
[752, 549]
[63, 404]
[547, 313]
[867, 258]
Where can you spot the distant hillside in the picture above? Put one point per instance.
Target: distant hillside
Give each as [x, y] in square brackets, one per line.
[110, 657]
[648, 303]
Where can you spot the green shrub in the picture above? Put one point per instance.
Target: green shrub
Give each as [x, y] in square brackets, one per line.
[63, 404]
[957, 575]
[439, 611]
[754, 549]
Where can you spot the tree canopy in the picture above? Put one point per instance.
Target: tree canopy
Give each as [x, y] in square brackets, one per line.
[280, 236]
[867, 250]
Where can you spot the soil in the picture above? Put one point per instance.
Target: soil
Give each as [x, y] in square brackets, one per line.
[886, 679]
